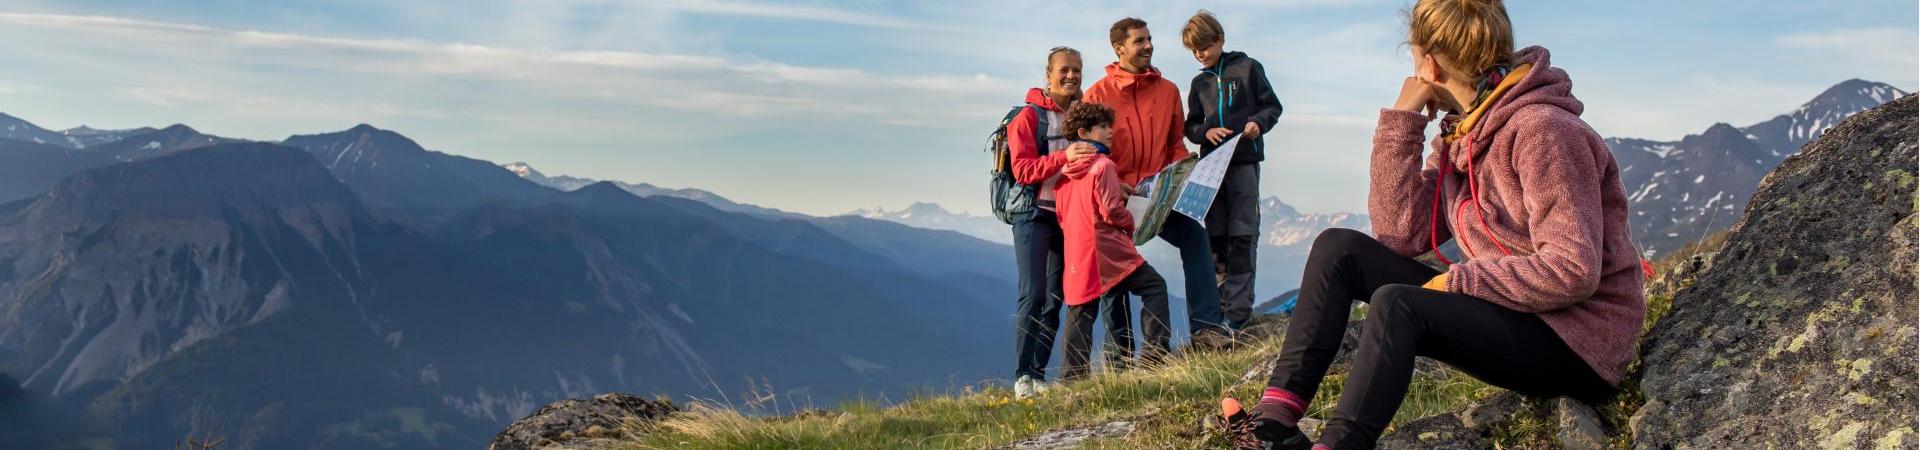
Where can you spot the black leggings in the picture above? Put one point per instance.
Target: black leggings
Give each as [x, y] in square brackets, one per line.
[1500, 346]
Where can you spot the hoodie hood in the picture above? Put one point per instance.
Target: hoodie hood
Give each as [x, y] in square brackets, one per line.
[1125, 80]
[1543, 86]
[1038, 96]
[1075, 170]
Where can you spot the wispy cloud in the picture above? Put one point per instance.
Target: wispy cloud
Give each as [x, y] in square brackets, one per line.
[1889, 53]
[743, 86]
[790, 12]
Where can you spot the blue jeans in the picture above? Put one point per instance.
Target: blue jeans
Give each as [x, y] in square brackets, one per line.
[1037, 244]
[1196, 263]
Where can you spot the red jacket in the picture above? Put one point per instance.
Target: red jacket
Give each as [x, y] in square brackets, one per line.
[1028, 166]
[1097, 230]
[1148, 125]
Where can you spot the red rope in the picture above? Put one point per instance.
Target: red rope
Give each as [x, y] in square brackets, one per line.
[1433, 220]
[1474, 189]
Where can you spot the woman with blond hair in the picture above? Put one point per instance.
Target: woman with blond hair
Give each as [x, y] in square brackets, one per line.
[1548, 299]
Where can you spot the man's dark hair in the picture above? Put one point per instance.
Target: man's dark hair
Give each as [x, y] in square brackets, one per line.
[1118, 33]
[1085, 116]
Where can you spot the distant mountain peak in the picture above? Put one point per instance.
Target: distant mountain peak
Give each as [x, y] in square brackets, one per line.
[1723, 130]
[603, 190]
[1877, 91]
[203, 181]
[1276, 206]
[1682, 190]
[925, 206]
[362, 144]
[520, 168]
[921, 209]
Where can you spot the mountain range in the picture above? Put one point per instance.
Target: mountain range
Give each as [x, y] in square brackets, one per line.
[356, 290]
[1680, 191]
[1285, 235]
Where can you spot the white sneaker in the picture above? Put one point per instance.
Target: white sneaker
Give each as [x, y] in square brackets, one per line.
[1041, 387]
[1024, 387]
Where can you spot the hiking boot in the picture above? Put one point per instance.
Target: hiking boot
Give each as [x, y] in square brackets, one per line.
[1210, 339]
[1246, 432]
[1277, 436]
[1024, 387]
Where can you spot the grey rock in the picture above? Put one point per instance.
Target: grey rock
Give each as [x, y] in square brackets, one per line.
[1494, 410]
[575, 423]
[1801, 333]
[1073, 437]
[1311, 426]
[1436, 432]
[1579, 426]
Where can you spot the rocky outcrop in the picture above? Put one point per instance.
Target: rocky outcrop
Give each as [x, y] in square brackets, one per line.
[1072, 438]
[1800, 334]
[575, 423]
[1574, 425]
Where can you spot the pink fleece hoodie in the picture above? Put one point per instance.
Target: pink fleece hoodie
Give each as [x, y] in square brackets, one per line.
[1550, 193]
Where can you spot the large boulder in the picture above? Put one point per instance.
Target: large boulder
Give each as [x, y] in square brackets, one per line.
[1801, 333]
[575, 423]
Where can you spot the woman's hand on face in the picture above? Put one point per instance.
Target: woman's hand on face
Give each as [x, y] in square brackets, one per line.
[1416, 95]
[1080, 151]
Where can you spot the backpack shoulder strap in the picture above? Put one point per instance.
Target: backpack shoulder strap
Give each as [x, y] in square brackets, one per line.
[1040, 129]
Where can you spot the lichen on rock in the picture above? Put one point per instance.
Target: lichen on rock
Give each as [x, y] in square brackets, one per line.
[1800, 333]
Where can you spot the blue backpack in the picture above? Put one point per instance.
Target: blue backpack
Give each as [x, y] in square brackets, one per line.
[1008, 196]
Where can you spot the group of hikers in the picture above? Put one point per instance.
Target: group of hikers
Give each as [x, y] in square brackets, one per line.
[1546, 302]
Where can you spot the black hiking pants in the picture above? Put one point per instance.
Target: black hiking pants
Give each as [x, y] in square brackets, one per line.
[1503, 347]
[1152, 289]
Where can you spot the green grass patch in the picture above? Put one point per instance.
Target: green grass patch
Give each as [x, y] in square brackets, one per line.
[1167, 402]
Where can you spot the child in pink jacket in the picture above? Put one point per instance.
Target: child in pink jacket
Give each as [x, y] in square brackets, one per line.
[1099, 255]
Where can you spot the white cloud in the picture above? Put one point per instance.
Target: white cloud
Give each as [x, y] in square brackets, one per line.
[1881, 53]
[743, 86]
[162, 97]
[790, 12]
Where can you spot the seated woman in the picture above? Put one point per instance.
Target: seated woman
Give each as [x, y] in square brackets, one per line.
[1548, 301]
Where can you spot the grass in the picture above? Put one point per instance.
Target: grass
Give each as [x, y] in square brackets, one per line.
[1167, 402]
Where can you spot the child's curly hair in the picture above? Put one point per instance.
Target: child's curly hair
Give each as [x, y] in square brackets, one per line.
[1085, 116]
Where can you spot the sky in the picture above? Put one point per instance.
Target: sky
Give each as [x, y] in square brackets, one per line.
[826, 107]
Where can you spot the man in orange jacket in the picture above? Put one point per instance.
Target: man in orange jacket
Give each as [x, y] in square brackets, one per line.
[1149, 133]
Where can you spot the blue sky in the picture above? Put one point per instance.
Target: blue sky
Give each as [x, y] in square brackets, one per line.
[824, 107]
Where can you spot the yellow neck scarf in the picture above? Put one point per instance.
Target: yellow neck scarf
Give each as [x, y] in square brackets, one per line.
[1513, 77]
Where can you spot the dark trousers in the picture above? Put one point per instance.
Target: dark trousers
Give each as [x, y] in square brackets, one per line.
[1233, 226]
[1152, 289]
[1037, 256]
[1196, 264]
[1502, 347]
[1233, 261]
